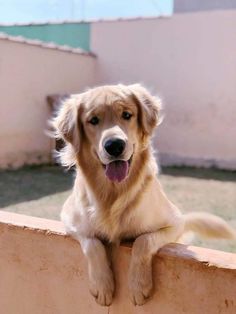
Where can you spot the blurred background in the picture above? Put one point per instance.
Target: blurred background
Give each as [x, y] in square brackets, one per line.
[182, 50]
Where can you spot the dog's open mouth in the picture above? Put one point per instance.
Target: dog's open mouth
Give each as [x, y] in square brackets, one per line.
[117, 170]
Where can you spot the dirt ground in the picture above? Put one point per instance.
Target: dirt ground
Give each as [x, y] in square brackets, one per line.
[41, 191]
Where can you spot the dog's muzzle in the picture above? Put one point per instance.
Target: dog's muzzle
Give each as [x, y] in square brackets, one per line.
[118, 168]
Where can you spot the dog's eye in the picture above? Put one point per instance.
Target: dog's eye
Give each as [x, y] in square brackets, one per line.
[94, 120]
[126, 115]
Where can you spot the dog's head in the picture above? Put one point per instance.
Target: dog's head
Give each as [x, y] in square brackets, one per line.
[113, 123]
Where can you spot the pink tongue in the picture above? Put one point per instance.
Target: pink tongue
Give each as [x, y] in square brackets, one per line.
[117, 170]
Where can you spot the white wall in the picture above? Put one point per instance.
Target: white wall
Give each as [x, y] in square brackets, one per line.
[190, 61]
[27, 75]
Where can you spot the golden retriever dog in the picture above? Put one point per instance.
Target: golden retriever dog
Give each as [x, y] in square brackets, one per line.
[117, 195]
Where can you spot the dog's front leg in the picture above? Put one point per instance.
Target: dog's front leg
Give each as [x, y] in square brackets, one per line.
[101, 279]
[140, 272]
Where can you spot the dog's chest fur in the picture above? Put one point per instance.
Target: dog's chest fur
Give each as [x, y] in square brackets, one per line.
[99, 210]
[125, 219]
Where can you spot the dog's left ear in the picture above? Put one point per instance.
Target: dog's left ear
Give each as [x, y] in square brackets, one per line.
[149, 108]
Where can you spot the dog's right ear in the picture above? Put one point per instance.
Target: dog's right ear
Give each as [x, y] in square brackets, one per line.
[65, 123]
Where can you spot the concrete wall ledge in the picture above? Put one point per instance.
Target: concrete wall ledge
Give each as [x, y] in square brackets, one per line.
[44, 271]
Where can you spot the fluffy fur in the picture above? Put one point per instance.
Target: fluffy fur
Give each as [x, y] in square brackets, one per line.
[100, 211]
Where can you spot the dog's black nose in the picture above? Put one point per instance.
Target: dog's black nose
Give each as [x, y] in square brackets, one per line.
[114, 147]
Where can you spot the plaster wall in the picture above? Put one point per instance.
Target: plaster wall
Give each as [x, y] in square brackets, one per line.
[189, 61]
[28, 74]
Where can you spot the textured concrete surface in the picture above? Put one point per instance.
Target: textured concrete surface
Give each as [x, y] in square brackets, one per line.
[44, 271]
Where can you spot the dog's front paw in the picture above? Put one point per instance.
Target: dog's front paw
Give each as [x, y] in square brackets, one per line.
[140, 283]
[102, 288]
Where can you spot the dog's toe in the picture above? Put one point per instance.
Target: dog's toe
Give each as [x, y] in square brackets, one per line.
[138, 298]
[104, 298]
[140, 284]
[103, 290]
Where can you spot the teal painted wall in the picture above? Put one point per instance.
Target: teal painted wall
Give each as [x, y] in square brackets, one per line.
[71, 34]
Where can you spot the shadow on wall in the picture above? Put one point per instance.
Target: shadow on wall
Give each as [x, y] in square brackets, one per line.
[200, 173]
[31, 183]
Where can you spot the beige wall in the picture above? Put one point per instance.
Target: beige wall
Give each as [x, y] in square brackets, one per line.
[190, 61]
[44, 271]
[27, 75]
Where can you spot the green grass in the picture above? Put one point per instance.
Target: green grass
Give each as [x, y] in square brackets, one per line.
[41, 191]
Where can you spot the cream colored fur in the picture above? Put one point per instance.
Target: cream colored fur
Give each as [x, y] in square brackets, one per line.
[99, 211]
